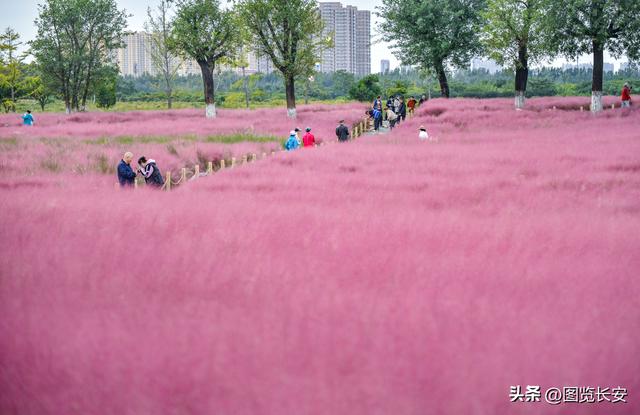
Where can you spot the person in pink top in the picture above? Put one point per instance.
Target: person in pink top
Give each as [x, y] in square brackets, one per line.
[308, 140]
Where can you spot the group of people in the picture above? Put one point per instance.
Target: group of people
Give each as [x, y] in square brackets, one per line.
[309, 140]
[294, 141]
[147, 168]
[395, 110]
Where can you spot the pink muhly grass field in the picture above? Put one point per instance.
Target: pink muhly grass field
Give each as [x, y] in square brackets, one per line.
[382, 276]
[322, 118]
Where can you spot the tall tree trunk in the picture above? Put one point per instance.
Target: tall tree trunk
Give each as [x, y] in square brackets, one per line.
[290, 89]
[522, 75]
[246, 88]
[169, 97]
[596, 85]
[209, 92]
[442, 79]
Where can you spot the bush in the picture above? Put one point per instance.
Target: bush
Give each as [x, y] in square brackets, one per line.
[366, 89]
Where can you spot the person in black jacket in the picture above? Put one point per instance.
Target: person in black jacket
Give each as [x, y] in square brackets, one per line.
[150, 171]
[342, 132]
[402, 110]
[126, 175]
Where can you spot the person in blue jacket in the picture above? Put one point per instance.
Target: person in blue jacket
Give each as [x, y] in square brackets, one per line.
[377, 118]
[27, 118]
[292, 142]
[126, 175]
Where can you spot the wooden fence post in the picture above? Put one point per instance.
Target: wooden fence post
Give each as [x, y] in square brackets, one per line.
[168, 181]
[254, 157]
[245, 159]
[209, 167]
[613, 106]
[581, 108]
[222, 164]
[233, 162]
[196, 171]
[183, 176]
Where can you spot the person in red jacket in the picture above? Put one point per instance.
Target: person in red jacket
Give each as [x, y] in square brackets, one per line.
[626, 96]
[308, 140]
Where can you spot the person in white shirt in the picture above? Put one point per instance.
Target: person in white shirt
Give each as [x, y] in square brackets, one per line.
[423, 135]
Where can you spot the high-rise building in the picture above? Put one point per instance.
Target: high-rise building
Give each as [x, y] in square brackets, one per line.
[385, 66]
[490, 65]
[135, 58]
[259, 63]
[350, 30]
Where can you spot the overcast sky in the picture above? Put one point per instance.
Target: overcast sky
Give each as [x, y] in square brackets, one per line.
[20, 15]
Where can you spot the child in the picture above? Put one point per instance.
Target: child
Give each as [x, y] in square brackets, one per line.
[292, 142]
[308, 139]
[28, 118]
[423, 133]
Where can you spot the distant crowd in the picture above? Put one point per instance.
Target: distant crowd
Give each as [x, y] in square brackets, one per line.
[389, 114]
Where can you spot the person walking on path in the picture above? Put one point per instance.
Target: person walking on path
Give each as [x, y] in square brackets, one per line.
[27, 118]
[423, 99]
[626, 96]
[377, 103]
[126, 175]
[390, 103]
[402, 110]
[150, 171]
[292, 142]
[392, 117]
[411, 105]
[308, 140]
[377, 118]
[342, 132]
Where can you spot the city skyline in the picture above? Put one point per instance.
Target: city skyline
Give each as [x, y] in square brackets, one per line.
[21, 15]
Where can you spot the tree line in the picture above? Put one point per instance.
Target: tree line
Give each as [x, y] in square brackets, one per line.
[74, 48]
[440, 34]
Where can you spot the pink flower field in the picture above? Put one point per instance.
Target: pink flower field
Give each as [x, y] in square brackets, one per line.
[380, 276]
[86, 143]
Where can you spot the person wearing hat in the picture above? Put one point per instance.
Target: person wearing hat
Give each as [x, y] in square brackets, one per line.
[342, 132]
[297, 130]
[292, 142]
[423, 133]
[626, 96]
[308, 140]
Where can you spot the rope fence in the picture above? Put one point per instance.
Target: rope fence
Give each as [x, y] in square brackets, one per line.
[358, 129]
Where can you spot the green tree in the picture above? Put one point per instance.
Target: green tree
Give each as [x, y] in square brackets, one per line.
[10, 74]
[593, 26]
[515, 35]
[289, 32]
[105, 87]
[366, 89]
[343, 81]
[36, 89]
[75, 39]
[203, 31]
[164, 62]
[433, 34]
[399, 88]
